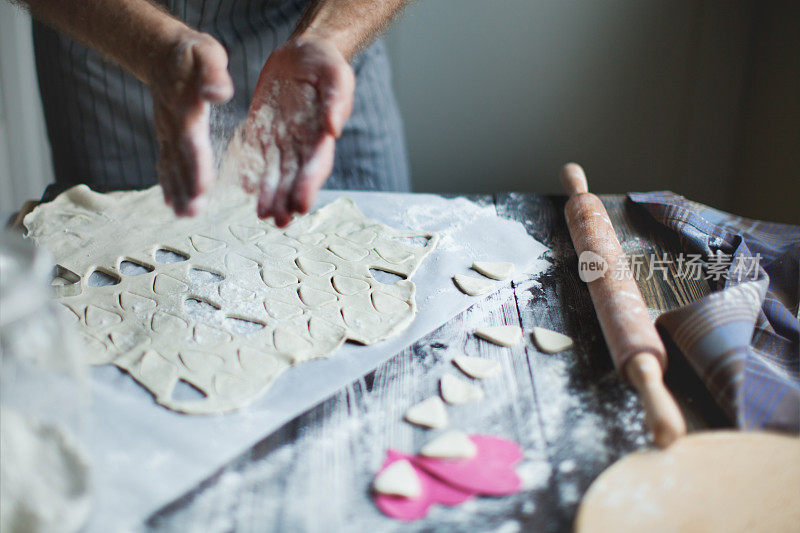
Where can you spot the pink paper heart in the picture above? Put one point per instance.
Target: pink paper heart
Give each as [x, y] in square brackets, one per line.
[490, 472]
[502, 449]
[433, 491]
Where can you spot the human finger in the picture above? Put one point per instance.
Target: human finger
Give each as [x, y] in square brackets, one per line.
[312, 175]
[265, 194]
[288, 168]
[168, 166]
[194, 150]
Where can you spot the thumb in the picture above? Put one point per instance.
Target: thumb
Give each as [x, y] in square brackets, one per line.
[337, 83]
[211, 69]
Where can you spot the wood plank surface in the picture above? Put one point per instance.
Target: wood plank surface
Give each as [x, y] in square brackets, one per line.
[570, 412]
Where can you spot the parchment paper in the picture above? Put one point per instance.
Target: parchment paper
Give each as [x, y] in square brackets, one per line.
[144, 456]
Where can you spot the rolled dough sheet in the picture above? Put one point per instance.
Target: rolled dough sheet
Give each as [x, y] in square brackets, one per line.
[709, 481]
[240, 302]
[145, 456]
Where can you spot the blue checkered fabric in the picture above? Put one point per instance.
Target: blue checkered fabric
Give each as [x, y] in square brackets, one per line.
[743, 339]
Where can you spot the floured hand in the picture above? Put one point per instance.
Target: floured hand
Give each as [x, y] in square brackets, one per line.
[195, 75]
[302, 100]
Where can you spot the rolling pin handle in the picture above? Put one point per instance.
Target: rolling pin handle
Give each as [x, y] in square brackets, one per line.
[662, 415]
[573, 179]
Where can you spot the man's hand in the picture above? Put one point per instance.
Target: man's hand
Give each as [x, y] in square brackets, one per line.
[193, 76]
[302, 100]
[185, 70]
[305, 89]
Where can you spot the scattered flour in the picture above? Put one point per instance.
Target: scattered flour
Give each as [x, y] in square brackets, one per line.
[569, 493]
[509, 526]
[567, 466]
[244, 160]
[460, 213]
[253, 157]
[534, 474]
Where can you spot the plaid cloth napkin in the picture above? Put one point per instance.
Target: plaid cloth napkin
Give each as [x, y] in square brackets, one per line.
[743, 339]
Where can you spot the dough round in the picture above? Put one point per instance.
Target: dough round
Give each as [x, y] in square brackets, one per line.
[710, 481]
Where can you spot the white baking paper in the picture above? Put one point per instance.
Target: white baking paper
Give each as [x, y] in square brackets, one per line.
[144, 456]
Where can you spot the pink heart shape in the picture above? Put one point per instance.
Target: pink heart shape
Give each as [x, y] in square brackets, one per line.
[490, 472]
[433, 491]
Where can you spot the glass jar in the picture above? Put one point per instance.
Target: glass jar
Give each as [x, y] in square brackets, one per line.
[44, 396]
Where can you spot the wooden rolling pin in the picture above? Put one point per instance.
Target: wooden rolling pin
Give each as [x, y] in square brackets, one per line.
[637, 350]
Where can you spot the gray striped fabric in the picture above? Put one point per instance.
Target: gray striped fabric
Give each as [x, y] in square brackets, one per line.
[100, 119]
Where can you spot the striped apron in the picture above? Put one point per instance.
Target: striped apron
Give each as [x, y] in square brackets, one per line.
[100, 118]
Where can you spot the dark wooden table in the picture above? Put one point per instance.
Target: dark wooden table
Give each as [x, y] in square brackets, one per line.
[570, 412]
